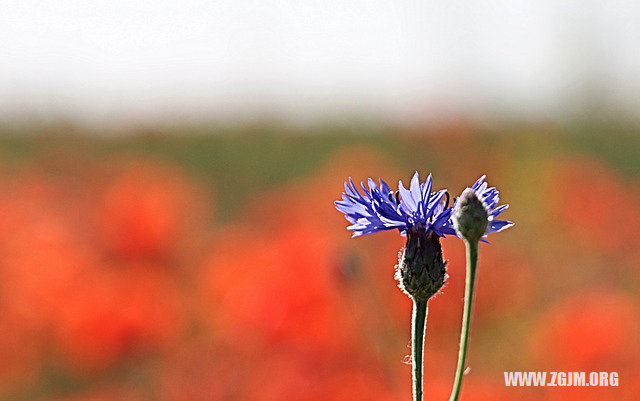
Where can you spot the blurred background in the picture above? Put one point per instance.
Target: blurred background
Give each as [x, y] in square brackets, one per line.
[167, 178]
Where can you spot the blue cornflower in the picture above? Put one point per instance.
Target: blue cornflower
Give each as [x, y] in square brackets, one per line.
[379, 208]
[490, 196]
[423, 217]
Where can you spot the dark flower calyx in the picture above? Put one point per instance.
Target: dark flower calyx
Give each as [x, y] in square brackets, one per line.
[421, 271]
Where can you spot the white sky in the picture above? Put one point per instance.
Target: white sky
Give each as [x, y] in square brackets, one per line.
[122, 60]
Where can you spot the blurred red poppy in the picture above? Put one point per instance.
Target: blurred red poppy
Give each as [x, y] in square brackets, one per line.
[114, 315]
[146, 210]
[594, 330]
[596, 206]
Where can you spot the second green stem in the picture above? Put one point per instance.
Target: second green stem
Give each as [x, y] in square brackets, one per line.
[472, 261]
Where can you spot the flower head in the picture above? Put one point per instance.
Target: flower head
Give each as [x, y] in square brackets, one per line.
[379, 208]
[474, 212]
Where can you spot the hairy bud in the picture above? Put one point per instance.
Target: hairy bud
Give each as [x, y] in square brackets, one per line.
[421, 271]
[470, 217]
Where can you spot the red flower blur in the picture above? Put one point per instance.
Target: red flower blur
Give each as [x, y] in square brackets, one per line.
[596, 330]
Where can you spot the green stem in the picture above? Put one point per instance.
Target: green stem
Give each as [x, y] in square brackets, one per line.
[472, 261]
[418, 323]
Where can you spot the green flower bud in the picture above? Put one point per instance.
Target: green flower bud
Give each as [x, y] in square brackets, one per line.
[470, 216]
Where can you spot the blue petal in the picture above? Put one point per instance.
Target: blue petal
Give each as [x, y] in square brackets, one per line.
[406, 200]
[435, 201]
[384, 188]
[499, 210]
[478, 183]
[498, 225]
[416, 193]
[426, 195]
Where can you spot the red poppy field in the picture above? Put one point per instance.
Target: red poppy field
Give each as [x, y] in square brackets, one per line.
[194, 267]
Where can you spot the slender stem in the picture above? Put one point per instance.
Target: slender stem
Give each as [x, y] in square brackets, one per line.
[472, 261]
[418, 323]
